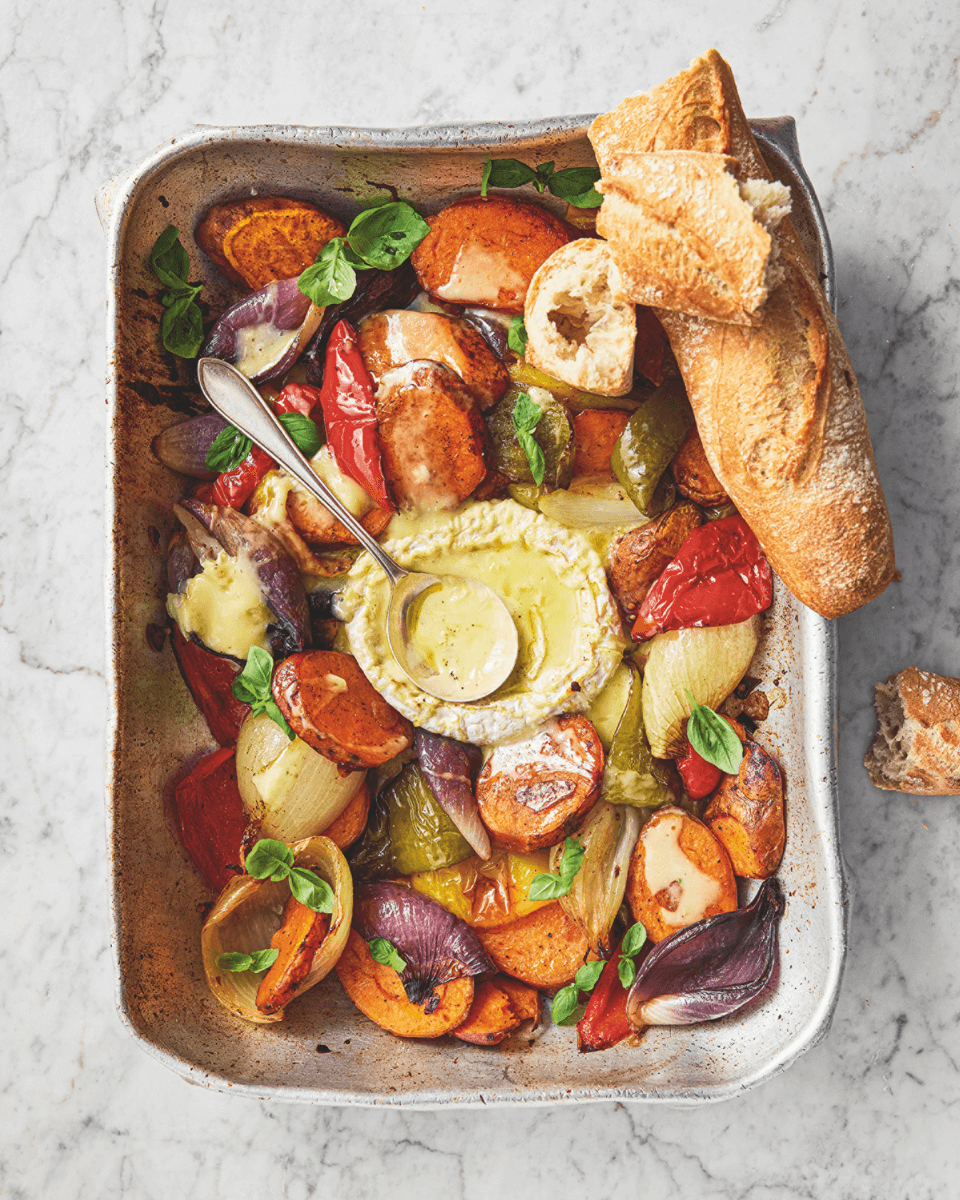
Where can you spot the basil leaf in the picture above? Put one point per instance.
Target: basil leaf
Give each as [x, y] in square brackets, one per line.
[586, 978]
[262, 959]
[713, 738]
[181, 326]
[552, 887]
[564, 1004]
[633, 940]
[383, 951]
[331, 279]
[545, 170]
[507, 173]
[526, 414]
[168, 259]
[269, 859]
[303, 431]
[575, 185]
[517, 337]
[230, 447]
[276, 716]
[387, 235]
[235, 962]
[253, 682]
[311, 890]
[627, 970]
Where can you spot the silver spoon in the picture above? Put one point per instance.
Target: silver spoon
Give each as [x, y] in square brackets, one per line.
[236, 399]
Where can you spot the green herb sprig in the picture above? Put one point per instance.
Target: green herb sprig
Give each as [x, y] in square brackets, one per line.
[381, 237]
[713, 738]
[252, 686]
[517, 337]
[383, 951]
[526, 416]
[552, 887]
[259, 960]
[181, 327]
[230, 447]
[270, 859]
[566, 1003]
[633, 942]
[575, 184]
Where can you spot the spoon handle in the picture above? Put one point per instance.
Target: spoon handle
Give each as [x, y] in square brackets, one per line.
[235, 397]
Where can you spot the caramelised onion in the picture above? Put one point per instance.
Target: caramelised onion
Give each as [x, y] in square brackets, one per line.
[451, 770]
[249, 911]
[494, 328]
[185, 447]
[290, 790]
[265, 333]
[712, 968]
[608, 837]
[592, 502]
[436, 946]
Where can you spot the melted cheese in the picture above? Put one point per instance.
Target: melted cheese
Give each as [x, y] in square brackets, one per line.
[666, 866]
[479, 272]
[224, 607]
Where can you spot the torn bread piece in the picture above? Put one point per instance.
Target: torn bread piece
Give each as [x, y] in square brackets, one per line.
[581, 326]
[917, 746]
[688, 236]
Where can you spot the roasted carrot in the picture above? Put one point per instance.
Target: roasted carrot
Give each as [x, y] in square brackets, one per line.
[491, 1016]
[298, 940]
[595, 433]
[352, 821]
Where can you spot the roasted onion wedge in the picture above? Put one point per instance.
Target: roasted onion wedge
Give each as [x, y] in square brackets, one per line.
[249, 911]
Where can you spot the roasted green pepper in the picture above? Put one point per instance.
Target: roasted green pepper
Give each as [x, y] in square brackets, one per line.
[372, 857]
[552, 434]
[527, 377]
[649, 441]
[422, 836]
[632, 775]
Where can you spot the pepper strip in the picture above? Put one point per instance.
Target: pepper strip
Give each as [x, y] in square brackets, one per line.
[718, 577]
[350, 414]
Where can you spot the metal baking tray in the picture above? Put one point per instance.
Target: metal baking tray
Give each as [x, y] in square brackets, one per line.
[326, 1052]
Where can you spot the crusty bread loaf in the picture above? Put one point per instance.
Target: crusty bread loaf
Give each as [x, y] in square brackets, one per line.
[777, 404]
[917, 746]
[581, 328]
[687, 236]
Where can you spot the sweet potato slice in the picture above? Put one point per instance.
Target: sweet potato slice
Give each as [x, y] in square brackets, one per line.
[532, 793]
[638, 558]
[317, 525]
[679, 874]
[746, 814]
[259, 239]
[491, 1016]
[432, 436]
[393, 338]
[486, 252]
[694, 476]
[525, 1001]
[544, 949]
[297, 939]
[378, 992]
[595, 433]
[352, 821]
[329, 703]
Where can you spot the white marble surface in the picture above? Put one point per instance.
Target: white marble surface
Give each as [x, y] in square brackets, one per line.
[86, 90]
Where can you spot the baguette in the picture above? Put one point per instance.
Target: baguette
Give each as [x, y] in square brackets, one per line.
[917, 745]
[776, 403]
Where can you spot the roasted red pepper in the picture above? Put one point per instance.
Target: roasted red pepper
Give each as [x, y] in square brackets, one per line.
[234, 487]
[210, 817]
[604, 1023]
[350, 413]
[719, 576]
[210, 679]
[699, 776]
[298, 398]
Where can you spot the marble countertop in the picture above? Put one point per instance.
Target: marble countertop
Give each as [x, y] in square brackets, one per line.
[87, 90]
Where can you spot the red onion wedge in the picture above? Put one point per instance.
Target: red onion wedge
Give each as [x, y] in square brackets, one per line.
[185, 447]
[436, 946]
[712, 968]
[451, 770]
[265, 333]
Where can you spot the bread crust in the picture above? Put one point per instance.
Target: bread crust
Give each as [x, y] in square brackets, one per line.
[917, 745]
[683, 236]
[777, 404]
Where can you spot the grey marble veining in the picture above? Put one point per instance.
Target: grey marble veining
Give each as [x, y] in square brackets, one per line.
[87, 90]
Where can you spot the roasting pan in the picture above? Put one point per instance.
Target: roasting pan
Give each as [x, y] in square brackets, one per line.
[327, 1052]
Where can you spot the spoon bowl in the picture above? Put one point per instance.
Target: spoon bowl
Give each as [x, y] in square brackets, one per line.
[461, 602]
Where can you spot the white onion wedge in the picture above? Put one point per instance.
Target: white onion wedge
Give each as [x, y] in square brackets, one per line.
[248, 913]
[288, 787]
